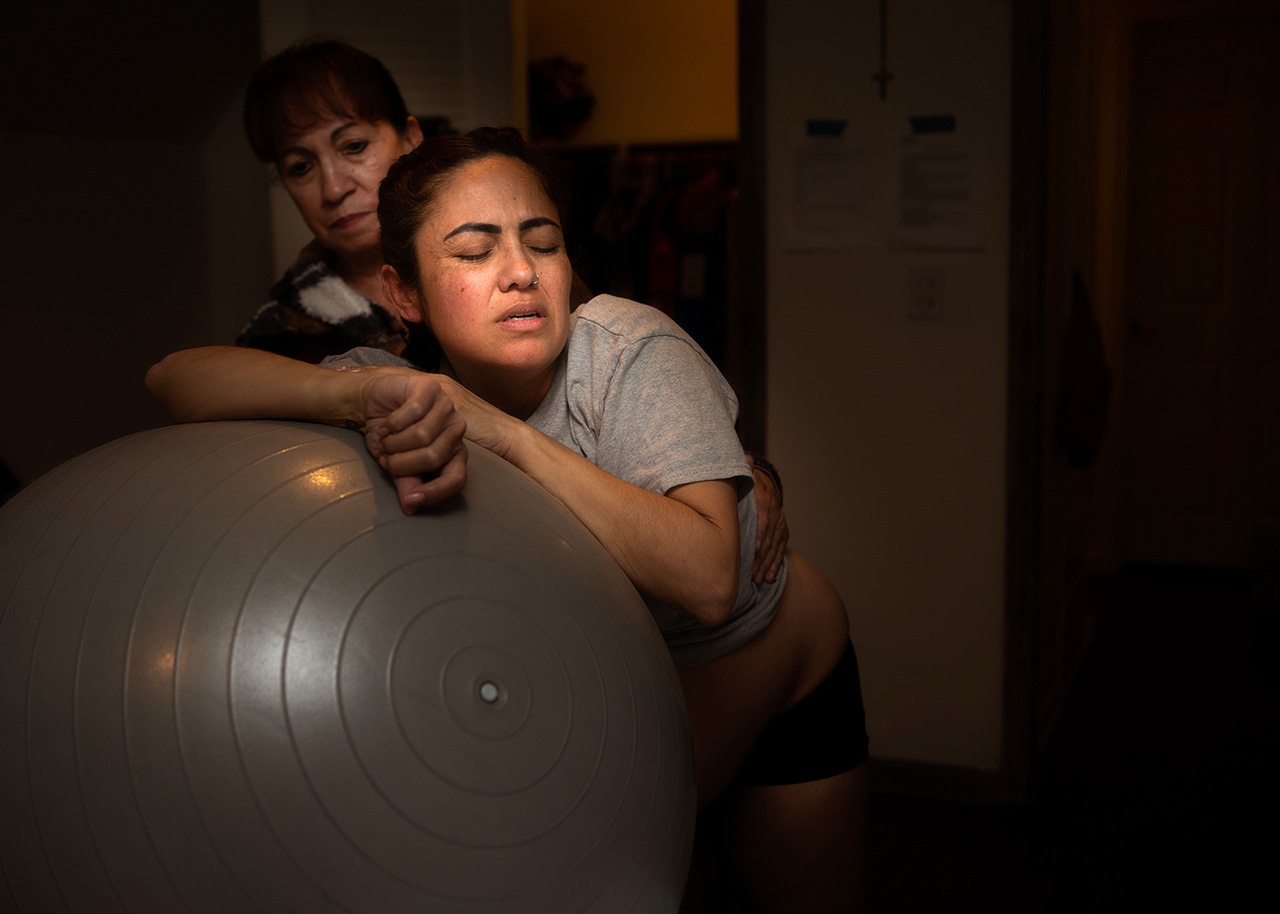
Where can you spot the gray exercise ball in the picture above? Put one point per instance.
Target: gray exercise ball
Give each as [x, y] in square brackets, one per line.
[235, 677]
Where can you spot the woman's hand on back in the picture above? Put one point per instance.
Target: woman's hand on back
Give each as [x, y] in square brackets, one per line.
[771, 527]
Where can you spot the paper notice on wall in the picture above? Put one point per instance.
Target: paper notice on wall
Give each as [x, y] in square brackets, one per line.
[829, 189]
[938, 200]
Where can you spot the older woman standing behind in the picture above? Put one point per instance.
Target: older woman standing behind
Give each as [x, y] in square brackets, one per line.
[331, 120]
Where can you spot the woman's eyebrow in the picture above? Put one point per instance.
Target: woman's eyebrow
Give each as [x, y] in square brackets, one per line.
[337, 131]
[487, 227]
[538, 222]
[490, 229]
[333, 138]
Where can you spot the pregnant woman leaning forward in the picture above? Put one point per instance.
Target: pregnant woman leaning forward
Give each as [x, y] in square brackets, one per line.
[331, 120]
[619, 415]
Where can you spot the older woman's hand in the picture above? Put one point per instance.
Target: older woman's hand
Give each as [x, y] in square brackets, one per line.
[414, 432]
[771, 527]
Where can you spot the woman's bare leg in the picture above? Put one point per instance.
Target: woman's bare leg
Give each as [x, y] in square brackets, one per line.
[801, 848]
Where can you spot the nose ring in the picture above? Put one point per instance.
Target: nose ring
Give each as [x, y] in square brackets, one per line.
[536, 277]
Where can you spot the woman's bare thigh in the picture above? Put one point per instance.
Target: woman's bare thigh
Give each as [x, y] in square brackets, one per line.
[801, 848]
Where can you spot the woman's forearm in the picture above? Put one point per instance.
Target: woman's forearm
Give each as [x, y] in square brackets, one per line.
[232, 382]
[681, 548]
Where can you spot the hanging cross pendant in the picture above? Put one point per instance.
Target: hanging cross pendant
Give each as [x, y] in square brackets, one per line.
[882, 76]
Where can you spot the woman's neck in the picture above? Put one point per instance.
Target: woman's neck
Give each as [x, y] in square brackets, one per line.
[517, 396]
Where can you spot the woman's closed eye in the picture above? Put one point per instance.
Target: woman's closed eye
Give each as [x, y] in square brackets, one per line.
[543, 239]
[544, 248]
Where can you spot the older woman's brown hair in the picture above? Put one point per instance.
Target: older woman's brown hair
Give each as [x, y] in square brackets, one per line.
[314, 81]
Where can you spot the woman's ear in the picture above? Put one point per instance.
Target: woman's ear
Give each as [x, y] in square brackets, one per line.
[412, 134]
[403, 299]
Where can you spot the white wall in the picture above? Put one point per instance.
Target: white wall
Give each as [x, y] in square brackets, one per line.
[891, 432]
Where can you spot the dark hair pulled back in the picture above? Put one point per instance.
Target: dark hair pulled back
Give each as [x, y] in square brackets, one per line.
[409, 190]
[311, 82]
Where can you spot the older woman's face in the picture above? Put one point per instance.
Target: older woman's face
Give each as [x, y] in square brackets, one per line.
[490, 231]
[332, 172]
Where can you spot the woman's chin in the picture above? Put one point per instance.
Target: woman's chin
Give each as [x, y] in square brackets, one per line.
[353, 245]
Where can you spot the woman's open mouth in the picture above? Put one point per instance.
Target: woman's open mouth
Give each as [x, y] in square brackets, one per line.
[522, 314]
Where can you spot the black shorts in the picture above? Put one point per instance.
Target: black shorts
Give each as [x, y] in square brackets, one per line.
[823, 735]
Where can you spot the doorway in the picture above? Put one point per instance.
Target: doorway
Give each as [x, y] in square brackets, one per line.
[1185, 208]
[1201, 347]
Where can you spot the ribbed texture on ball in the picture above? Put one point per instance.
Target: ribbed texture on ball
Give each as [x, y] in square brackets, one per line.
[235, 677]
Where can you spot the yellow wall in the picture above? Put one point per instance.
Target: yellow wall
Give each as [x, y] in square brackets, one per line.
[661, 70]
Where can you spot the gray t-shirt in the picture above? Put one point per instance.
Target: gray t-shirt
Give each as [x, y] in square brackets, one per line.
[636, 396]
